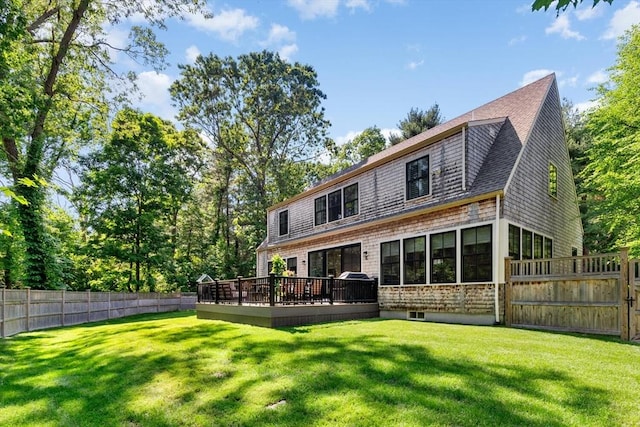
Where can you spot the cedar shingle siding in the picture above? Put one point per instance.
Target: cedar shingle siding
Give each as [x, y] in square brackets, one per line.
[500, 150]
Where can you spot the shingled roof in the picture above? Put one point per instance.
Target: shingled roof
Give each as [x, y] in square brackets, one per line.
[520, 106]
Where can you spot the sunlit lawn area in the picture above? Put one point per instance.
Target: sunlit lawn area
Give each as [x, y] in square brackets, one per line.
[173, 369]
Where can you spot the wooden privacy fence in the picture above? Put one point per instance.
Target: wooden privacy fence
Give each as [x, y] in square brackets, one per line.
[591, 294]
[29, 310]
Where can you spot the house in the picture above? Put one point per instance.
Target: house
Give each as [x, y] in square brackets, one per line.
[435, 216]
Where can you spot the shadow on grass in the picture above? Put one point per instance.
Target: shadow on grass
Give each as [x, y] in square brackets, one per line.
[324, 378]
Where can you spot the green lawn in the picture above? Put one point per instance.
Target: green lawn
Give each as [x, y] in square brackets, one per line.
[173, 369]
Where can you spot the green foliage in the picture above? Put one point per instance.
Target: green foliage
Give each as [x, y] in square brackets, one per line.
[561, 5]
[264, 119]
[367, 143]
[416, 122]
[278, 265]
[133, 190]
[612, 175]
[184, 371]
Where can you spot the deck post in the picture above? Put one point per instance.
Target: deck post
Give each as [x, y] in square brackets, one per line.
[217, 285]
[272, 289]
[330, 289]
[240, 290]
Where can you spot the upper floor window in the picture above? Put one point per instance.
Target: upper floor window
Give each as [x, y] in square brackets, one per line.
[335, 205]
[351, 200]
[284, 223]
[321, 210]
[443, 257]
[476, 254]
[418, 178]
[553, 180]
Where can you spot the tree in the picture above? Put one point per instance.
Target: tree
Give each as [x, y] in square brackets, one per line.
[561, 5]
[417, 121]
[612, 175]
[263, 116]
[133, 189]
[55, 78]
[367, 143]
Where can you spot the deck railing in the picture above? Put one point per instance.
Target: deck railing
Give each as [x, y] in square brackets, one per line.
[589, 265]
[284, 290]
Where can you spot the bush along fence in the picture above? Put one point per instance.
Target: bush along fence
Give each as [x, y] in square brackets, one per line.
[23, 310]
[284, 290]
[592, 294]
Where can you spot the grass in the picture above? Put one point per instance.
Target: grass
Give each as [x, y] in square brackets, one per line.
[175, 370]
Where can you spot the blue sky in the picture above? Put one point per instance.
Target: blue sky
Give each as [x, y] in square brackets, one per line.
[376, 59]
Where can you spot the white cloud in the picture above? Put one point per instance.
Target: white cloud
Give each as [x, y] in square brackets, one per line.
[229, 24]
[533, 75]
[355, 4]
[279, 34]
[340, 140]
[589, 11]
[598, 77]
[585, 106]
[622, 20]
[415, 64]
[516, 40]
[287, 51]
[192, 53]
[562, 26]
[312, 9]
[387, 132]
[154, 93]
[569, 81]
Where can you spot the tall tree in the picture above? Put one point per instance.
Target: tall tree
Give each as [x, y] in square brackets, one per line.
[417, 121]
[613, 172]
[133, 189]
[263, 115]
[367, 143]
[55, 77]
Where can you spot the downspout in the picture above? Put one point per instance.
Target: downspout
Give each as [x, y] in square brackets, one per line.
[464, 160]
[496, 260]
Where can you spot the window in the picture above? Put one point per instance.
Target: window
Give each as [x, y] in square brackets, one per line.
[553, 180]
[548, 248]
[334, 261]
[351, 200]
[414, 261]
[514, 242]
[476, 254]
[284, 223]
[418, 178]
[292, 265]
[527, 244]
[321, 210]
[537, 246]
[390, 263]
[443, 257]
[269, 267]
[335, 205]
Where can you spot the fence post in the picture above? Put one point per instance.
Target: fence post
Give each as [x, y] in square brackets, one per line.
[88, 305]
[4, 312]
[508, 315]
[272, 289]
[28, 309]
[330, 289]
[217, 290]
[625, 309]
[240, 290]
[109, 305]
[157, 302]
[62, 308]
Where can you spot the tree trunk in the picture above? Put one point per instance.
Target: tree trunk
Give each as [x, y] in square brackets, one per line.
[37, 251]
